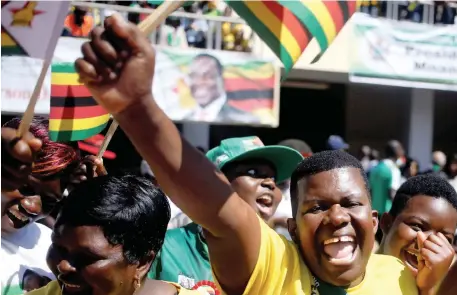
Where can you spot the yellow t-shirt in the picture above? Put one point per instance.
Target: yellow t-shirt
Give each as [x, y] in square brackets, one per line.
[53, 288]
[280, 271]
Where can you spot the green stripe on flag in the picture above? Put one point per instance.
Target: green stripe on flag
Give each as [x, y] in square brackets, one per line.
[308, 19]
[264, 33]
[73, 135]
[67, 67]
[13, 50]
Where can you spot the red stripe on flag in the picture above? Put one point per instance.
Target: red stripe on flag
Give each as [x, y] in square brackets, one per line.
[70, 91]
[337, 15]
[237, 84]
[250, 105]
[352, 6]
[290, 21]
[76, 112]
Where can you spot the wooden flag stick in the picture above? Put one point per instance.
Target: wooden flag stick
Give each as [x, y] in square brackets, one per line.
[107, 139]
[147, 26]
[30, 111]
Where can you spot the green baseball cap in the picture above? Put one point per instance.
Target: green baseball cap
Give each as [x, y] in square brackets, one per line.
[283, 158]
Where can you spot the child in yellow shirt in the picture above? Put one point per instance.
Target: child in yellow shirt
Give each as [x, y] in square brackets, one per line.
[419, 228]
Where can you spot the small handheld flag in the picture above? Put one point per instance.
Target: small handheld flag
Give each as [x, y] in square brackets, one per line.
[74, 114]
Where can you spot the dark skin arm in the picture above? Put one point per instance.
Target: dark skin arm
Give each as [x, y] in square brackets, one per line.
[118, 69]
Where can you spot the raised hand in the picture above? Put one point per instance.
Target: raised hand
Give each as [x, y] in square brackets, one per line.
[436, 255]
[18, 155]
[117, 65]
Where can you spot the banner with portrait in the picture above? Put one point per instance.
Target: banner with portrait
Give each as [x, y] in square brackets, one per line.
[217, 87]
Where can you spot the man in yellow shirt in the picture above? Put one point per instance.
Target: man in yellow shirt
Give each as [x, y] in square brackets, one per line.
[334, 223]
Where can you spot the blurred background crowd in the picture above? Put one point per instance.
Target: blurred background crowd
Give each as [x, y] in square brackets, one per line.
[186, 32]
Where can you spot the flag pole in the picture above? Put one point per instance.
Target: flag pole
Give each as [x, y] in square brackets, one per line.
[147, 26]
[30, 111]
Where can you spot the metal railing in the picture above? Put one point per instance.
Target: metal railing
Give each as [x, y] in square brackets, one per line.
[213, 34]
[415, 11]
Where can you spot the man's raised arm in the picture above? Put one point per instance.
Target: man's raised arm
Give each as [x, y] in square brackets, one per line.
[118, 68]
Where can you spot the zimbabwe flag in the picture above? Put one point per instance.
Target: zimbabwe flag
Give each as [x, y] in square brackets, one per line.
[287, 26]
[74, 114]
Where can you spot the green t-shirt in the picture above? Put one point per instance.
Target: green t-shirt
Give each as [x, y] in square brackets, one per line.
[383, 178]
[184, 259]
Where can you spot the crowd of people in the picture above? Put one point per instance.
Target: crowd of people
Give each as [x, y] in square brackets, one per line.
[112, 232]
[444, 12]
[184, 32]
[176, 31]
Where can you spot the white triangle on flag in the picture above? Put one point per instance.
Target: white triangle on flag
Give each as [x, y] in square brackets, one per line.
[36, 25]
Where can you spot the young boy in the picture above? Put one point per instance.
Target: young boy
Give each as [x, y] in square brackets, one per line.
[419, 228]
[334, 223]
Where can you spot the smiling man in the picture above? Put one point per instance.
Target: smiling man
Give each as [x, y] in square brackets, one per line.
[247, 256]
[207, 88]
[254, 170]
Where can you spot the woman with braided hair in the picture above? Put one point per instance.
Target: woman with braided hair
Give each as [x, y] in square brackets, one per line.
[35, 174]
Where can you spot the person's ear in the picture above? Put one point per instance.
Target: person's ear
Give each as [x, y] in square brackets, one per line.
[144, 265]
[386, 223]
[375, 219]
[292, 228]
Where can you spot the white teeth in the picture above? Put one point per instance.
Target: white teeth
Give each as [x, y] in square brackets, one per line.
[346, 239]
[19, 216]
[412, 253]
[71, 286]
[339, 239]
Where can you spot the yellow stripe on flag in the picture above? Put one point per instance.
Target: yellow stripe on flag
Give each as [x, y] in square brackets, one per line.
[7, 40]
[65, 79]
[323, 16]
[276, 26]
[77, 124]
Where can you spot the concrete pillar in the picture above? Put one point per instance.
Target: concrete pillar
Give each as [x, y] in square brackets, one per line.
[420, 143]
[197, 134]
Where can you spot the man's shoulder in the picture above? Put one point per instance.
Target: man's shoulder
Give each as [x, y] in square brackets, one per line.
[390, 272]
[180, 234]
[380, 170]
[381, 260]
[51, 288]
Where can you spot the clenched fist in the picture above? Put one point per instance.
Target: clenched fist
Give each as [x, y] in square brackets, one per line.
[117, 65]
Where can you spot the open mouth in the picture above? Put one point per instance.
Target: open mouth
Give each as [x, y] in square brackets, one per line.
[70, 288]
[73, 288]
[265, 201]
[265, 205]
[17, 218]
[411, 259]
[340, 250]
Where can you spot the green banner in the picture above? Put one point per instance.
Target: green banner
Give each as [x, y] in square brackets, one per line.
[403, 54]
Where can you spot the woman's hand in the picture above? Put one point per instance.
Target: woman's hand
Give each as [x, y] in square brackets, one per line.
[90, 167]
[18, 155]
